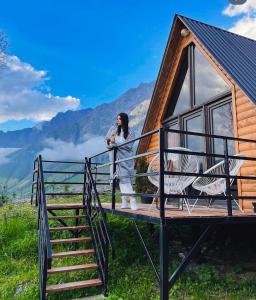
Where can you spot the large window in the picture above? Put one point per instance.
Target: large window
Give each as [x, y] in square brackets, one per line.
[200, 102]
[221, 123]
[208, 82]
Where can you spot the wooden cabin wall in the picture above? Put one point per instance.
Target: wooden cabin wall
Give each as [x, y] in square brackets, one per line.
[244, 118]
[246, 128]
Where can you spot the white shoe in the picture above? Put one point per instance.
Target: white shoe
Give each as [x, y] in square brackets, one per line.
[124, 204]
[134, 205]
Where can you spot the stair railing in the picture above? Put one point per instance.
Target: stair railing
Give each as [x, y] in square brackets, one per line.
[44, 244]
[97, 220]
[34, 184]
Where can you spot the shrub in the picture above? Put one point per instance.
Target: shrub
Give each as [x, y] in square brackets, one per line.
[142, 184]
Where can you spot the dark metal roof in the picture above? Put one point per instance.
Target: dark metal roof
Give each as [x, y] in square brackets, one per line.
[235, 53]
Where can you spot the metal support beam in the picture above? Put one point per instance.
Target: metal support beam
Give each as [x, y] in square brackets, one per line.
[112, 172]
[62, 222]
[147, 252]
[161, 172]
[164, 262]
[228, 186]
[189, 256]
[106, 271]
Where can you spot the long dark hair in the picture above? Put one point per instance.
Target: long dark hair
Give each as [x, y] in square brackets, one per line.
[125, 124]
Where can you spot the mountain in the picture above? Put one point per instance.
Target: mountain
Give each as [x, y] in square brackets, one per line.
[69, 135]
[78, 123]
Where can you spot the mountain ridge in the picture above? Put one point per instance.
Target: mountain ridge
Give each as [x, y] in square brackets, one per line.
[75, 130]
[76, 120]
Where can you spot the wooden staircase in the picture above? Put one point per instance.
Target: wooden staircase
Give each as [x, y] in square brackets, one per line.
[73, 238]
[75, 242]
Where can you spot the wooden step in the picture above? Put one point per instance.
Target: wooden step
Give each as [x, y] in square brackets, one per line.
[72, 240]
[72, 268]
[66, 217]
[53, 229]
[72, 285]
[62, 206]
[73, 253]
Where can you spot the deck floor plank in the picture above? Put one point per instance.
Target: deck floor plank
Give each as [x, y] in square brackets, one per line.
[199, 212]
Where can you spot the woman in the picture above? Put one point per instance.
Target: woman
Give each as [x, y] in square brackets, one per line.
[119, 134]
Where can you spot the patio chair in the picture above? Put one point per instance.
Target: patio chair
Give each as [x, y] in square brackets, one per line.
[216, 186]
[176, 162]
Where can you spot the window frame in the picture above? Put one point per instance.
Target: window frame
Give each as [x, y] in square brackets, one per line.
[204, 108]
[187, 56]
[205, 111]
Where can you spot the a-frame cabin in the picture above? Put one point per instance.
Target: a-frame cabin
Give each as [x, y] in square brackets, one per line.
[207, 84]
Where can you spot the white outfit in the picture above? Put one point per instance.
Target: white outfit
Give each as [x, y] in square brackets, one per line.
[126, 188]
[125, 168]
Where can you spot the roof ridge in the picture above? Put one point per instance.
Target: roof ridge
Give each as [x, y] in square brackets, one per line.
[218, 28]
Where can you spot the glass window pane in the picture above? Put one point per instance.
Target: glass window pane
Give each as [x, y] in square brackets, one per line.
[208, 82]
[183, 102]
[193, 142]
[222, 124]
[173, 137]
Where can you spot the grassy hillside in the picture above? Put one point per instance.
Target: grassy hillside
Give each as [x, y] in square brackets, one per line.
[228, 270]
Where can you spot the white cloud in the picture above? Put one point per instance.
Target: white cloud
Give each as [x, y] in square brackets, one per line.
[61, 150]
[24, 94]
[234, 10]
[246, 26]
[4, 153]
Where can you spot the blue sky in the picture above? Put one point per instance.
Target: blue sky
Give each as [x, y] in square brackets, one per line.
[91, 51]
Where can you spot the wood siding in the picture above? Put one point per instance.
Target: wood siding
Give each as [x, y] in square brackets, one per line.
[246, 128]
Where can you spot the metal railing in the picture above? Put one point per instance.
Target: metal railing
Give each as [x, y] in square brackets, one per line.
[162, 150]
[44, 244]
[100, 178]
[94, 214]
[98, 224]
[38, 198]
[51, 184]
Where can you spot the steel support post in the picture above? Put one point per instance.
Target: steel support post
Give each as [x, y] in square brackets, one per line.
[164, 253]
[228, 187]
[112, 174]
[164, 262]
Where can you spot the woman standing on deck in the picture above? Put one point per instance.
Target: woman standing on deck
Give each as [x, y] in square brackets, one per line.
[119, 134]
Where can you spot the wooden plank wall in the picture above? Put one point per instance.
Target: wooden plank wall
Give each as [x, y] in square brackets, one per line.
[246, 128]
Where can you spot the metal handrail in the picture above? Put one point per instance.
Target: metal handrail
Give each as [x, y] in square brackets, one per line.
[163, 172]
[231, 138]
[95, 192]
[126, 143]
[44, 245]
[96, 217]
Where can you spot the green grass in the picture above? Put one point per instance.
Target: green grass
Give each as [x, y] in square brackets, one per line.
[18, 253]
[227, 272]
